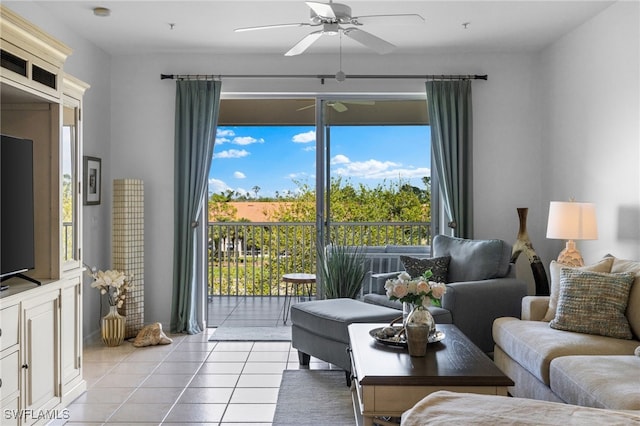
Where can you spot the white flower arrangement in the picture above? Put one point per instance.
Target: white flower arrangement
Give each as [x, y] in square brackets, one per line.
[417, 291]
[112, 283]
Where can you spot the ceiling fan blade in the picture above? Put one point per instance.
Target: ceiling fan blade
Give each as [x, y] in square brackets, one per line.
[304, 44]
[306, 107]
[269, 27]
[338, 106]
[367, 39]
[397, 19]
[323, 10]
[360, 102]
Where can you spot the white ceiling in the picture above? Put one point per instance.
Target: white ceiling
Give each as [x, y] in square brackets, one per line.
[136, 27]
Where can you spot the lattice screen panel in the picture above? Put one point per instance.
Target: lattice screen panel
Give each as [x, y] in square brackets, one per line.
[128, 247]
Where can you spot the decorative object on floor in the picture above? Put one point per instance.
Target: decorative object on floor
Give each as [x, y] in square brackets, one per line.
[572, 221]
[330, 402]
[419, 328]
[342, 271]
[258, 334]
[637, 351]
[113, 327]
[523, 245]
[151, 335]
[114, 284]
[127, 247]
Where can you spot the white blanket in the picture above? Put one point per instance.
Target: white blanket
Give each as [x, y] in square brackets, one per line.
[450, 408]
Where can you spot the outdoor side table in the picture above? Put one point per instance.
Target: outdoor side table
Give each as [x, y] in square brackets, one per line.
[307, 281]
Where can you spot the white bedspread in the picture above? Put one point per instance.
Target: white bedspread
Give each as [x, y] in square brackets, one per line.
[450, 408]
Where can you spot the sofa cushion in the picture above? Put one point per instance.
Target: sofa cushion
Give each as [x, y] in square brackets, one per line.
[473, 260]
[593, 303]
[533, 344]
[554, 271]
[597, 381]
[439, 266]
[633, 307]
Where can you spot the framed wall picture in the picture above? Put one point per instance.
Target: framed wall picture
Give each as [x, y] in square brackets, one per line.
[92, 180]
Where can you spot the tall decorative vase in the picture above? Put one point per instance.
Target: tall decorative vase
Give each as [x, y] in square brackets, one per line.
[523, 245]
[113, 327]
[419, 327]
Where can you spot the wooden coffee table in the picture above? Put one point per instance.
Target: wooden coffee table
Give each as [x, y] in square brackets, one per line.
[387, 381]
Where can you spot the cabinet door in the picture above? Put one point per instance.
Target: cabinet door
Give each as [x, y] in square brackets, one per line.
[70, 331]
[41, 384]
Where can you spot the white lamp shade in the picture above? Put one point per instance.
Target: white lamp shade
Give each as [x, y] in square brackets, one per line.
[572, 221]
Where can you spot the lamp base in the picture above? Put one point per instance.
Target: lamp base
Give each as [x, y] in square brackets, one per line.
[570, 256]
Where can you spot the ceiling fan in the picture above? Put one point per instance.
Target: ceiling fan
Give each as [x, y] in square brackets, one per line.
[331, 17]
[339, 106]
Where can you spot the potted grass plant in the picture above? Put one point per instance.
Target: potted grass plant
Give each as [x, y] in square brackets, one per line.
[342, 270]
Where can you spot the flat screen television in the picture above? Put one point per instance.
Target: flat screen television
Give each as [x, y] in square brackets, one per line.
[17, 250]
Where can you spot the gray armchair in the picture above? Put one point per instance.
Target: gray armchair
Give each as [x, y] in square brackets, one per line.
[481, 286]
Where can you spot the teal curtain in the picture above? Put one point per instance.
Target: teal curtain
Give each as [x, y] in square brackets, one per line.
[197, 106]
[449, 106]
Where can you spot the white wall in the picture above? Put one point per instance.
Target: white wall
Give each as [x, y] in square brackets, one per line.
[591, 126]
[562, 122]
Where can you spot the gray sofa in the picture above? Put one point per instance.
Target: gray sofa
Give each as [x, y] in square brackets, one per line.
[578, 368]
[481, 286]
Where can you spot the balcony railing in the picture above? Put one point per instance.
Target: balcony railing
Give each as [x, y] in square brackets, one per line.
[248, 258]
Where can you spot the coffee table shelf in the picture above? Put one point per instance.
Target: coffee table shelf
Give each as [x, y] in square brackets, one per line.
[388, 381]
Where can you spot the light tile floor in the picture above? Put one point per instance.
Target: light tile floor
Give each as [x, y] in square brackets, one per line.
[191, 381]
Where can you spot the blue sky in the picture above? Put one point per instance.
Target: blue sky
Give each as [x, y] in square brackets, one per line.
[273, 157]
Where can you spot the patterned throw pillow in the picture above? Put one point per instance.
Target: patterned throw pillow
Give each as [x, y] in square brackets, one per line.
[593, 303]
[416, 267]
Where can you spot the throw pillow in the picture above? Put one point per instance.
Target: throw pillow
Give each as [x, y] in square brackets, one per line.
[633, 307]
[416, 267]
[593, 303]
[554, 271]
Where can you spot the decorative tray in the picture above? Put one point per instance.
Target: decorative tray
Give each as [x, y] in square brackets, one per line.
[384, 335]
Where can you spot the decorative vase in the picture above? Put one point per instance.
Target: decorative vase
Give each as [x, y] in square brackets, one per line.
[113, 327]
[419, 327]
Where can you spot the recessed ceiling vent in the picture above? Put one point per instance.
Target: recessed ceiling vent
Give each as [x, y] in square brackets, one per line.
[13, 63]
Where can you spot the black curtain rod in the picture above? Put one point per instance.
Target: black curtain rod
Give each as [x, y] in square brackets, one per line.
[322, 77]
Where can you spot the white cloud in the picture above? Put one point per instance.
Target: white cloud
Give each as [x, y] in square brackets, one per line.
[217, 186]
[239, 175]
[246, 140]
[305, 137]
[375, 169]
[309, 148]
[340, 159]
[232, 153]
[223, 135]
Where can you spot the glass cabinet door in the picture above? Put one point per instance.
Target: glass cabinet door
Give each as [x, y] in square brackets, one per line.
[70, 159]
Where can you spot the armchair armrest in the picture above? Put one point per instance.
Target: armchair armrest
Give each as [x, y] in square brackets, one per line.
[474, 305]
[377, 282]
[534, 308]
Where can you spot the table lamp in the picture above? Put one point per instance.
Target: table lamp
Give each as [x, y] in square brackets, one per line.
[572, 221]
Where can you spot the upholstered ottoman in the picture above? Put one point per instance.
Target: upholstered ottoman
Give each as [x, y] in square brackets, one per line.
[319, 328]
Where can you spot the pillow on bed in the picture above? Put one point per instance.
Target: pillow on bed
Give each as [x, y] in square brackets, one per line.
[593, 303]
[416, 267]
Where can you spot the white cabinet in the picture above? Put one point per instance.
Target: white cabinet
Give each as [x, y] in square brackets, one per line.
[41, 325]
[9, 364]
[71, 337]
